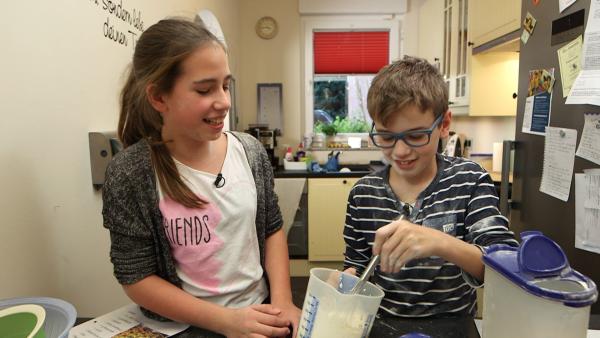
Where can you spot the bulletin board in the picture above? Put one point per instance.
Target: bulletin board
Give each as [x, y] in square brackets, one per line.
[270, 106]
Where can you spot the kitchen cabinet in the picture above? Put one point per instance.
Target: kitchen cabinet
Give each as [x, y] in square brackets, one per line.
[494, 84]
[443, 41]
[327, 201]
[491, 19]
[456, 54]
[431, 26]
[478, 85]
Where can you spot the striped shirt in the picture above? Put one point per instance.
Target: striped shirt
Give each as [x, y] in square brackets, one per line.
[460, 201]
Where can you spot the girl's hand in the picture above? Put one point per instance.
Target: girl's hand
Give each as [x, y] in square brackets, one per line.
[401, 241]
[290, 313]
[257, 321]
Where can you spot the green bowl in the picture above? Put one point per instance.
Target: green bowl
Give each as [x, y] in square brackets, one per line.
[22, 321]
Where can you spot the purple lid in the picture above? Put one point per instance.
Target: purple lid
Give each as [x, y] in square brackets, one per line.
[541, 267]
[415, 335]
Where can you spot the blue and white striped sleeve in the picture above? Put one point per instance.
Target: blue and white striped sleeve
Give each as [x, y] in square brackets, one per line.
[483, 221]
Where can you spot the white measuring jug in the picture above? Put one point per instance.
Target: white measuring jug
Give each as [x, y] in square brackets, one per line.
[329, 312]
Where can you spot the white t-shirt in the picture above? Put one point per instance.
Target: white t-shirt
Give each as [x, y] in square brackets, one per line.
[215, 248]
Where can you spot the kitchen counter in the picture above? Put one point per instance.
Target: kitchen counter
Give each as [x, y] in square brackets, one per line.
[356, 170]
[461, 327]
[497, 176]
[359, 170]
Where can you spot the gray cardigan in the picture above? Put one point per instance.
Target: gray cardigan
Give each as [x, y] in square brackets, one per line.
[139, 247]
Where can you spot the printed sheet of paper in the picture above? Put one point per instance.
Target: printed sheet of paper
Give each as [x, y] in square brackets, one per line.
[569, 59]
[587, 210]
[589, 145]
[125, 322]
[559, 158]
[586, 88]
[563, 4]
[536, 116]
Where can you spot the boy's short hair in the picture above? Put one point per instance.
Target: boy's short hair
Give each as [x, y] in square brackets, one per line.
[408, 81]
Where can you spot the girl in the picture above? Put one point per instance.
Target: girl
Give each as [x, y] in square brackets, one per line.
[195, 226]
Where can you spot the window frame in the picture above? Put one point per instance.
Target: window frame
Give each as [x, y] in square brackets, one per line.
[310, 24]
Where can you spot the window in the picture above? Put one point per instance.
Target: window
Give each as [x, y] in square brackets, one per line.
[339, 88]
[341, 57]
[342, 98]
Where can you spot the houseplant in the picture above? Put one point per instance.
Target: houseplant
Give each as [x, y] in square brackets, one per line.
[341, 126]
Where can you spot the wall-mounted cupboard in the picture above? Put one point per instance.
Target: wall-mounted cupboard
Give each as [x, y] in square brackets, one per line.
[480, 84]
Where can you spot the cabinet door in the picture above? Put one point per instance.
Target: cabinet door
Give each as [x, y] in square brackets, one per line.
[457, 52]
[327, 201]
[494, 80]
[491, 19]
[431, 31]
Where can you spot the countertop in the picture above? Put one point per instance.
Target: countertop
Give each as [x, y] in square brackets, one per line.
[356, 170]
[461, 327]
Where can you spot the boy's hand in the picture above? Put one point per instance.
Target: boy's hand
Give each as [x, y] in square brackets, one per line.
[401, 241]
[260, 320]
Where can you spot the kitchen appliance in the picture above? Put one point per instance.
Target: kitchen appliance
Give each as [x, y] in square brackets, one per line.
[268, 138]
[533, 288]
[452, 145]
[330, 311]
[530, 209]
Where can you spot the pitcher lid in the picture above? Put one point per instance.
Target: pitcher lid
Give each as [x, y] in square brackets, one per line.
[540, 266]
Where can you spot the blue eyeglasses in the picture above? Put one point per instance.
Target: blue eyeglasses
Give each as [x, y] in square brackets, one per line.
[412, 138]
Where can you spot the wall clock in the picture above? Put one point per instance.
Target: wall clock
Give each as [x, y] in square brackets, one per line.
[266, 27]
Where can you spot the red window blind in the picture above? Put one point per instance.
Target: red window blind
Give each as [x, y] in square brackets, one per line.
[350, 52]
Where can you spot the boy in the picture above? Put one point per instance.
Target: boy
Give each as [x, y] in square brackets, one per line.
[430, 259]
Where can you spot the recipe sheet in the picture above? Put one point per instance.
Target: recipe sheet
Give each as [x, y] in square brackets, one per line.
[126, 322]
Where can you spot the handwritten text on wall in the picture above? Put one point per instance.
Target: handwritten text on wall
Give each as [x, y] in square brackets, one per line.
[122, 25]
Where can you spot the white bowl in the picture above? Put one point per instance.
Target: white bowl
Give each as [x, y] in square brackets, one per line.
[60, 315]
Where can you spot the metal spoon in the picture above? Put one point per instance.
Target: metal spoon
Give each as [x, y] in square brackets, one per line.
[364, 277]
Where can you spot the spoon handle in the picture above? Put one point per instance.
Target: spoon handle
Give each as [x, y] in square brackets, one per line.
[364, 277]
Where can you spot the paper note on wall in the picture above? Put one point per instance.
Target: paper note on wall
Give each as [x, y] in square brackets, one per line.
[559, 158]
[586, 88]
[587, 210]
[589, 145]
[536, 116]
[569, 60]
[563, 4]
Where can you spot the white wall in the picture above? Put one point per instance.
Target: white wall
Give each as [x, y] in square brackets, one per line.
[60, 80]
[484, 131]
[267, 61]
